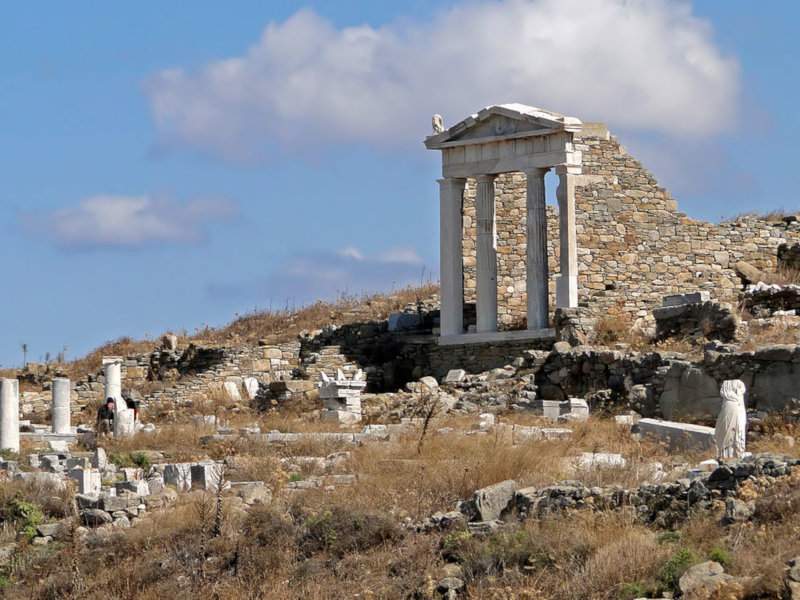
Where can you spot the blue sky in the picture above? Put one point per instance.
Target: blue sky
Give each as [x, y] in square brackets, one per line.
[167, 167]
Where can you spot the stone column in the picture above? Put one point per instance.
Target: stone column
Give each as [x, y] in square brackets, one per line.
[9, 415]
[451, 264]
[60, 410]
[112, 370]
[567, 285]
[537, 276]
[124, 425]
[486, 259]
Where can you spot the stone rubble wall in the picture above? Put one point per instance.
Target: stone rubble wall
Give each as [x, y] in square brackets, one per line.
[634, 246]
[177, 376]
[664, 385]
[789, 257]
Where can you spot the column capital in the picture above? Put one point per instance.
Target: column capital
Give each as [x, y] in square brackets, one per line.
[485, 178]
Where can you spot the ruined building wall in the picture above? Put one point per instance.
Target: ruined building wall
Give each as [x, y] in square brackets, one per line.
[634, 246]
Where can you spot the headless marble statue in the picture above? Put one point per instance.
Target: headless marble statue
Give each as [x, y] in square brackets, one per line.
[732, 420]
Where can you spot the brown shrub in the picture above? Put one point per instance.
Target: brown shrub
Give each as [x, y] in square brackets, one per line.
[613, 328]
[339, 531]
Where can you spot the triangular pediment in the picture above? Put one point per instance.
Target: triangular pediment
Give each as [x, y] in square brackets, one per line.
[503, 121]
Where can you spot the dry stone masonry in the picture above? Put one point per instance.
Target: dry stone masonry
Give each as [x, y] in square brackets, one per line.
[633, 244]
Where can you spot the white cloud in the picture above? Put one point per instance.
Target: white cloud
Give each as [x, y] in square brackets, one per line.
[399, 255]
[351, 252]
[404, 256]
[309, 276]
[128, 221]
[638, 64]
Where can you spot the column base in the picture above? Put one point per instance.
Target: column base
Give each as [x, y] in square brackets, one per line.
[496, 337]
[566, 291]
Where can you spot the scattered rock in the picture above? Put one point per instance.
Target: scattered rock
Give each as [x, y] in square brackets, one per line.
[737, 511]
[490, 503]
[94, 517]
[702, 581]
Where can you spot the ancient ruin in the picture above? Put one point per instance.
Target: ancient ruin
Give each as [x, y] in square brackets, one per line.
[498, 140]
[631, 245]
[607, 365]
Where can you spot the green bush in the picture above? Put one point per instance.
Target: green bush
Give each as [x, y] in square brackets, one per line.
[720, 555]
[141, 460]
[669, 537]
[25, 515]
[629, 591]
[122, 459]
[125, 460]
[676, 566]
[8, 454]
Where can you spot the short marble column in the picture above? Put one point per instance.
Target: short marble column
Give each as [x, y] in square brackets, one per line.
[451, 266]
[537, 276]
[567, 286]
[9, 415]
[60, 410]
[112, 370]
[124, 425]
[486, 259]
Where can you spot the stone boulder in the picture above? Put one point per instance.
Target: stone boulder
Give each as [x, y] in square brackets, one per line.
[490, 503]
[573, 325]
[707, 580]
[94, 517]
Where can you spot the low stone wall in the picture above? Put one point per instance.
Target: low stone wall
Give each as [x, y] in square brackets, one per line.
[665, 385]
[179, 376]
[763, 300]
[392, 359]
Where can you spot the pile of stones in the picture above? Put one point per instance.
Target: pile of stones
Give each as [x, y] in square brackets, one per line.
[695, 316]
[660, 504]
[764, 300]
[106, 494]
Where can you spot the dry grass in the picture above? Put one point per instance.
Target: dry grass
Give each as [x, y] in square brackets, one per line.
[273, 325]
[783, 330]
[396, 478]
[772, 216]
[276, 325]
[340, 543]
[783, 276]
[613, 328]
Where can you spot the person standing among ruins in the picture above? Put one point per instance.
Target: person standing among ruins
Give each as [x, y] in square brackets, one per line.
[105, 418]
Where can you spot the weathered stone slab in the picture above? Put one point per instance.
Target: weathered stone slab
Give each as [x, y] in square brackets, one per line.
[678, 436]
[139, 487]
[208, 476]
[455, 376]
[179, 475]
[490, 503]
[692, 298]
[87, 481]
